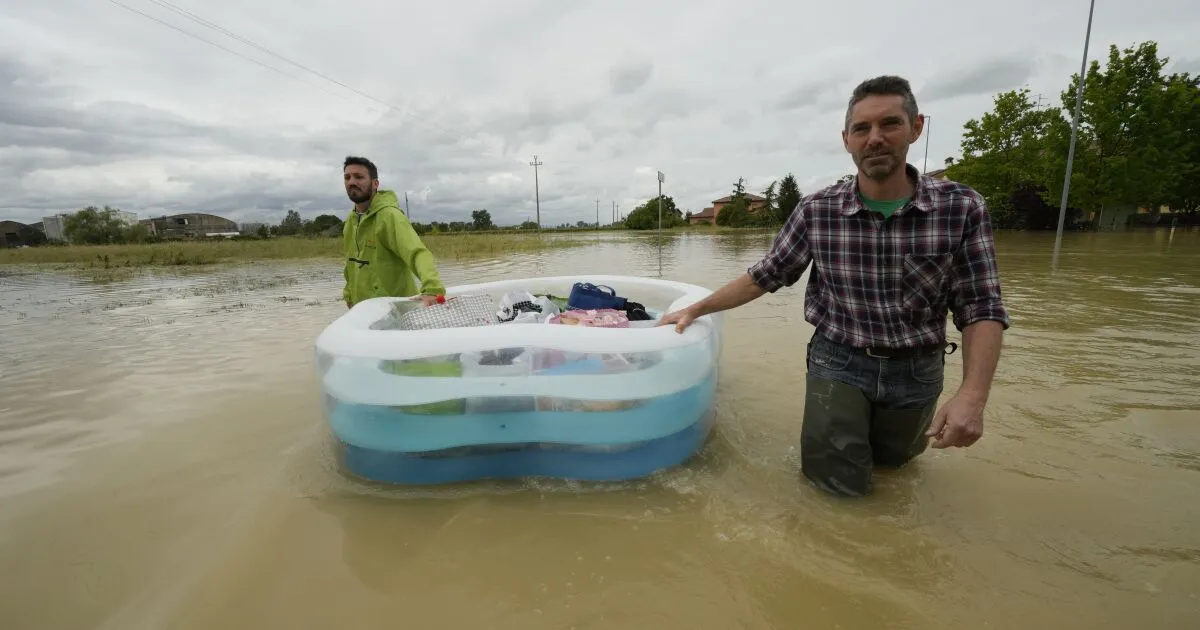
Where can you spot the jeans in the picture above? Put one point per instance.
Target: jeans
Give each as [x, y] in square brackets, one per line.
[861, 411]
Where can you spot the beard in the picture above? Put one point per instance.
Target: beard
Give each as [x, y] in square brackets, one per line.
[878, 165]
[358, 195]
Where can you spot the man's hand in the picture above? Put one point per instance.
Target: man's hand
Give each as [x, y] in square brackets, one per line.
[681, 318]
[958, 423]
[429, 300]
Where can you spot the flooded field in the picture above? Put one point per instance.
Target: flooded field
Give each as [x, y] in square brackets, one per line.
[164, 464]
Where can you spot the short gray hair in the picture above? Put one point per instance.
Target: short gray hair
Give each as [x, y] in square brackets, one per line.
[885, 85]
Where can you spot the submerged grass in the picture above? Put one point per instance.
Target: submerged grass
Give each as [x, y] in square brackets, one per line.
[194, 253]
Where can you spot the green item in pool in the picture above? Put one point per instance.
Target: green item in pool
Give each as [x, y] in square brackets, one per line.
[428, 367]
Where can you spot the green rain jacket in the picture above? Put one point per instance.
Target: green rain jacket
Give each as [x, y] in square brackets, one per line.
[384, 238]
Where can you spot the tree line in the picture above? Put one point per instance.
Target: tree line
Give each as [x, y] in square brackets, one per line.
[778, 201]
[1137, 146]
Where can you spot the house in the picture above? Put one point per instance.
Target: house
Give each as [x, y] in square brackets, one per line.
[709, 214]
[937, 174]
[190, 225]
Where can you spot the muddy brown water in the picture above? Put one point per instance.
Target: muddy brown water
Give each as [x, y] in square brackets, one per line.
[164, 464]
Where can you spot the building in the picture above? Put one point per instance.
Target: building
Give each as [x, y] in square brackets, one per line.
[250, 228]
[191, 225]
[10, 233]
[709, 215]
[54, 227]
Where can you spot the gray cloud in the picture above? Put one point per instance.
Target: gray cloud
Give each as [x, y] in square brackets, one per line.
[982, 77]
[101, 106]
[630, 76]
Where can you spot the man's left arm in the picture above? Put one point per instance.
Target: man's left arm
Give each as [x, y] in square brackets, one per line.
[399, 236]
[979, 312]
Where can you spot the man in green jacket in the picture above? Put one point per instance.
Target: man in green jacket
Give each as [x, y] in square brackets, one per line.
[383, 252]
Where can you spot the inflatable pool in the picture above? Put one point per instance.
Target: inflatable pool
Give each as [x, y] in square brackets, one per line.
[508, 379]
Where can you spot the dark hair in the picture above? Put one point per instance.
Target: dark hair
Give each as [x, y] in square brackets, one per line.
[885, 85]
[362, 161]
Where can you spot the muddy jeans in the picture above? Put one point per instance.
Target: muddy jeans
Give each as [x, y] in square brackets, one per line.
[861, 411]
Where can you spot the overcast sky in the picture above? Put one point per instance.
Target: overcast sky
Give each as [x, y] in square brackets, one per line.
[100, 105]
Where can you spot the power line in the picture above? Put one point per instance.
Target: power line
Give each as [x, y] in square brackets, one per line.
[216, 45]
[207, 24]
[224, 31]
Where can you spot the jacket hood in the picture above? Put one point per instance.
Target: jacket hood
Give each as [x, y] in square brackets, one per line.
[383, 199]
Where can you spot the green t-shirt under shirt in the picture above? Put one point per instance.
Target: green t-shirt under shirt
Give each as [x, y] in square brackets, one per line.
[886, 208]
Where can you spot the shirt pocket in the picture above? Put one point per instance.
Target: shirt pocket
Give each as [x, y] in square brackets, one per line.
[923, 279]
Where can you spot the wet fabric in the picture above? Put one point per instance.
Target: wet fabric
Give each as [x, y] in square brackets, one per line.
[861, 412]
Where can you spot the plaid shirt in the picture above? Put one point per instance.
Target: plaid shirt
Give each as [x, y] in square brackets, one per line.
[889, 283]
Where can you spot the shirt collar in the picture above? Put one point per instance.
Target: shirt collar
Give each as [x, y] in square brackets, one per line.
[922, 197]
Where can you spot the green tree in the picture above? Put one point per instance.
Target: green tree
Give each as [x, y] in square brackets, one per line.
[1004, 151]
[322, 223]
[736, 214]
[772, 200]
[1128, 151]
[100, 226]
[789, 197]
[1183, 100]
[482, 220]
[645, 216]
[291, 225]
[739, 188]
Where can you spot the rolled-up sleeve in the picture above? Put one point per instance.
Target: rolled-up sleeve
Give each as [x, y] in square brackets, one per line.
[975, 284]
[788, 257]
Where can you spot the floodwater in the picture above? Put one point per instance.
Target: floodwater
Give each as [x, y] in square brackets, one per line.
[164, 464]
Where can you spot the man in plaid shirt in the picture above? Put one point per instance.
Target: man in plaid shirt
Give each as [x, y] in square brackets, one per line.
[891, 253]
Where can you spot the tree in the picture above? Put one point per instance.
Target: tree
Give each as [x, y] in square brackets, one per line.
[1129, 150]
[739, 188]
[1004, 150]
[100, 226]
[482, 220]
[291, 224]
[772, 199]
[645, 216]
[789, 198]
[736, 214]
[1183, 100]
[322, 223]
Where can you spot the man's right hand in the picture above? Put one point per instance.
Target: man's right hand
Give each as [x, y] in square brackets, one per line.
[681, 318]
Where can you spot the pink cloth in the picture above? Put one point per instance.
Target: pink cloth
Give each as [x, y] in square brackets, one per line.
[602, 318]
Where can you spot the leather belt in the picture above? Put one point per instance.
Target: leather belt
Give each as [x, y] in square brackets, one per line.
[879, 352]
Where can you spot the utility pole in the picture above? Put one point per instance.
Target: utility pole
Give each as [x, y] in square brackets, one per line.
[926, 130]
[1062, 210]
[406, 210]
[597, 214]
[614, 211]
[537, 199]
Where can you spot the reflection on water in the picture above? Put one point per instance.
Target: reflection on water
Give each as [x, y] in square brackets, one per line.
[163, 463]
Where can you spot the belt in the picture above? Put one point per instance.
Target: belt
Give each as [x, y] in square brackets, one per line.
[879, 352]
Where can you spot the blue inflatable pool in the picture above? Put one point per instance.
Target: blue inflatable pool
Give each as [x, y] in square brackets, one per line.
[469, 399]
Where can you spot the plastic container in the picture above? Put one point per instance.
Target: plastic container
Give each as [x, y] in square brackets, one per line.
[506, 400]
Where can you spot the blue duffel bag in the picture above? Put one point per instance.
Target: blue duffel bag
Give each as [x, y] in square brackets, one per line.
[586, 296]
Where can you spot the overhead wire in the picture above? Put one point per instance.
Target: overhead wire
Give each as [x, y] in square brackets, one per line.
[228, 33]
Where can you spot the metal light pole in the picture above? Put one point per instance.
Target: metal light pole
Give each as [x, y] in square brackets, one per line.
[661, 179]
[926, 130]
[1062, 209]
[597, 214]
[537, 199]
